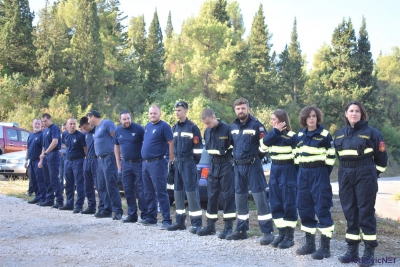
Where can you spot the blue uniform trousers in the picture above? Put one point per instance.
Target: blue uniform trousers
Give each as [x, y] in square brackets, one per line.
[187, 178]
[90, 178]
[61, 172]
[36, 177]
[314, 197]
[251, 177]
[107, 178]
[51, 168]
[282, 194]
[133, 186]
[155, 189]
[73, 170]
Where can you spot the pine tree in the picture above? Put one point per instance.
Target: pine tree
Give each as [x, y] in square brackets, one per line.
[219, 12]
[155, 82]
[137, 43]
[262, 90]
[169, 29]
[17, 52]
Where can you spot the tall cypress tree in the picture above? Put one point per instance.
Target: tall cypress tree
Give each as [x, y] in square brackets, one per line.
[137, 43]
[169, 29]
[155, 82]
[262, 88]
[17, 52]
[87, 51]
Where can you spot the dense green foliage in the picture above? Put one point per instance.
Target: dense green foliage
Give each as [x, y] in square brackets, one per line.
[79, 56]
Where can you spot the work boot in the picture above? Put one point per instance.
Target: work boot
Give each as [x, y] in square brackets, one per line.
[237, 235]
[281, 236]
[368, 256]
[288, 241]
[227, 230]
[309, 246]
[267, 239]
[351, 254]
[194, 229]
[209, 229]
[323, 250]
[176, 226]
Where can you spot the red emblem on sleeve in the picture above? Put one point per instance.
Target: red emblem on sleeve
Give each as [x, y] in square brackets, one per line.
[262, 135]
[195, 140]
[382, 146]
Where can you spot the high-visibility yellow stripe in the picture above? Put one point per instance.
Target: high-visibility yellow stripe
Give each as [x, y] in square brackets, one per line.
[186, 134]
[381, 169]
[330, 162]
[348, 152]
[264, 217]
[368, 150]
[308, 229]
[229, 215]
[311, 158]
[312, 150]
[252, 132]
[280, 149]
[195, 213]
[211, 216]
[331, 152]
[290, 223]
[235, 132]
[327, 231]
[353, 237]
[197, 151]
[213, 152]
[243, 217]
[368, 237]
[262, 146]
[175, 133]
[279, 223]
[180, 211]
[282, 156]
[291, 133]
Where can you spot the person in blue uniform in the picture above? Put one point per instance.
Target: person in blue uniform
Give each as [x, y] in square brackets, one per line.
[128, 139]
[73, 167]
[51, 144]
[218, 142]
[34, 149]
[63, 156]
[157, 140]
[249, 175]
[362, 156]
[315, 156]
[107, 171]
[281, 143]
[187, 150]
[90, 169]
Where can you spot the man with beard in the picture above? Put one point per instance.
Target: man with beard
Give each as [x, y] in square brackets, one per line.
[128, 141]
[157, 140]
[34, 149]
[73, 168]
[249, 175]
[51, 144]
[107, 167]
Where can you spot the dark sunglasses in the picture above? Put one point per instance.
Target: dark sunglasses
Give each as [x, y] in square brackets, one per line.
[181, 104]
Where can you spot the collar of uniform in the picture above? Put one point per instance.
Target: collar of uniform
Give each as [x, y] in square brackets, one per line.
[319, 130]
[182, 123]
[360, 124]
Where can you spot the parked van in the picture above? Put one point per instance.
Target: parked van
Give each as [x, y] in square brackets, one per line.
[12, 138]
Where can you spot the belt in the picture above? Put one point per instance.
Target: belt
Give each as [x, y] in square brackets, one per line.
[355, 163]
[92, 157]
[134, 160]
[216, 160]
[72, 159]
[184, 158]
[282, 161]
[105, 156]
[245, 161]
[153, 159]
[312, 164]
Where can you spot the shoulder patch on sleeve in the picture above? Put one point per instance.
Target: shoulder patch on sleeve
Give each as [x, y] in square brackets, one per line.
[382, 146]
[325, 133]
[196, 140]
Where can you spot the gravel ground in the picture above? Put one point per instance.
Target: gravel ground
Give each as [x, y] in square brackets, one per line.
[35, 236]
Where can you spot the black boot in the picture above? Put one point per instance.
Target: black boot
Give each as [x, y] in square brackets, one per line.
[227, 229]
[179, 223]
[368, 256]
[209, 229]
[281, 236]
[351, 254]
[288, 241]
[309, 246]
[323, 250]
[267, 239]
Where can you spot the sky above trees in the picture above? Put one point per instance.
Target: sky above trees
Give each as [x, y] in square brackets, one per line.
[316, 19]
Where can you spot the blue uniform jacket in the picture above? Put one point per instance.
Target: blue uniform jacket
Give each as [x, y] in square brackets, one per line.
[187, 140]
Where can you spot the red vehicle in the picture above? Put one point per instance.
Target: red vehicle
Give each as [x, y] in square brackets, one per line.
[12, 138]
